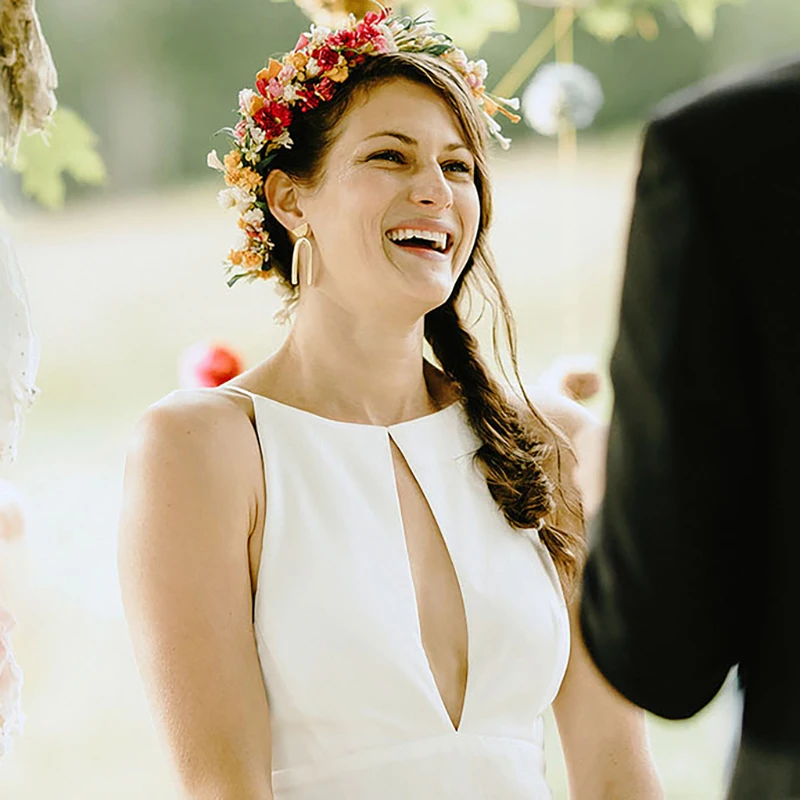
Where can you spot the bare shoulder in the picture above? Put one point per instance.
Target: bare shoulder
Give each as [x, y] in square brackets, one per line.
[194, 448]
[195, 418]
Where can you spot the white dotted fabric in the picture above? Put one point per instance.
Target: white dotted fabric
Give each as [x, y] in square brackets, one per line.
[19, 352]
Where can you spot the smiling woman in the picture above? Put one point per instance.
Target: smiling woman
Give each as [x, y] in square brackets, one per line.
[347, 573]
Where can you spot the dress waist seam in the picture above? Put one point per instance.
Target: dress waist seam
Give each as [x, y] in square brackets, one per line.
[400, 751]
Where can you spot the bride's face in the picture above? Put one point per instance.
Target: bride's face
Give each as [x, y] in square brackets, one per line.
[396, 213]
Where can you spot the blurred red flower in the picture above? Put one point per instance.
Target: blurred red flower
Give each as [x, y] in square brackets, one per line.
[206, 365]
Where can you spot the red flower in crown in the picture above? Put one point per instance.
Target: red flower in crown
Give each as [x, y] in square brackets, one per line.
[376, 17]
[273, 119]
[326, 57]
[307, 99]
[343, 40]
[366, 34]
[326, 89]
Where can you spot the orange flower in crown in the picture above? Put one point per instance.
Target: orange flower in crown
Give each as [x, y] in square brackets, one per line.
[299, 82]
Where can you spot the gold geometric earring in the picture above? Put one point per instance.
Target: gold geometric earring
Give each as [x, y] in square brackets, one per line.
[302, 242]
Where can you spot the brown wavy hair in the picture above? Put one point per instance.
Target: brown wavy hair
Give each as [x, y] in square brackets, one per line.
[521, 452]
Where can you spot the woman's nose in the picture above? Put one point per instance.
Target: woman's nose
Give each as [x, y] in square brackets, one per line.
[431, 188]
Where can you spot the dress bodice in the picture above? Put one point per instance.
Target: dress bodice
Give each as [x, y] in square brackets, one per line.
[354, 708]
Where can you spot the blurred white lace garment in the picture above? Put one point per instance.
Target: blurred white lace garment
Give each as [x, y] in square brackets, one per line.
[11, 716]
[19, 352]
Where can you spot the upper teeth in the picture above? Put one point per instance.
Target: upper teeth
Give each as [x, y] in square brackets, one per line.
[439, 239]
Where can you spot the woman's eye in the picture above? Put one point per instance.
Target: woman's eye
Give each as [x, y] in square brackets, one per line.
[457, 166]
[388, 155]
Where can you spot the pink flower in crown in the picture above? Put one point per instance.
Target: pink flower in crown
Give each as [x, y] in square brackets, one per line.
[381, 44]
[287, 74]
[240, 131]
[302, 42]
[275, 88]
[473, 81]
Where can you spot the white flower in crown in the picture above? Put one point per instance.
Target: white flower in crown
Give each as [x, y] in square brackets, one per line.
[480, 69]
[245, 98]
[388, 34]
[213, 161]
[242, 240]
[284, 140]
[258, 135]
[236, 197]
[253, 217]
[458, 58]
[289, 94]
[319, 34]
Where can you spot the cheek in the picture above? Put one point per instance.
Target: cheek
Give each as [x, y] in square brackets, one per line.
[470, 209]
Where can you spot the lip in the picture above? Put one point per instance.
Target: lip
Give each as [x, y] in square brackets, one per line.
[423, 224]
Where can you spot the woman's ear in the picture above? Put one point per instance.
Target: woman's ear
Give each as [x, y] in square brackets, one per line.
[282, 197]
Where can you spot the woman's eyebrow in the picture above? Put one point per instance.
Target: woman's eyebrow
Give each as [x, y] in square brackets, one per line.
[410, 140]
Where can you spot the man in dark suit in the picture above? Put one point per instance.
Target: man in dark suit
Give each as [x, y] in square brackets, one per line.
[694, 563]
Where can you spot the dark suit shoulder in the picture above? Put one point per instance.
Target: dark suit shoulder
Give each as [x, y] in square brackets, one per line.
[735, 100]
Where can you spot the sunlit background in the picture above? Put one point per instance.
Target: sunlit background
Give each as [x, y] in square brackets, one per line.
[126, 276]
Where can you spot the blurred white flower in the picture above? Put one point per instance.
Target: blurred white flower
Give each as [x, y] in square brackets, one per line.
[561, 92]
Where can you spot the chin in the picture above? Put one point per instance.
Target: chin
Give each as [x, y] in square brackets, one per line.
[435, 294]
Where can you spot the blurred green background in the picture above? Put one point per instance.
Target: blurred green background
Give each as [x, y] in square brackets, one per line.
[126, 277]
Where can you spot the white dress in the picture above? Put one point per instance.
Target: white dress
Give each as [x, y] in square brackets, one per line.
[355, 711]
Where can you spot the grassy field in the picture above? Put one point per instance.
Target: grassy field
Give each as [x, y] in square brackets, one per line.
[119, 288]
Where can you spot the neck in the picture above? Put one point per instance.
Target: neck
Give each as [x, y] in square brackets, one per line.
[356, 370]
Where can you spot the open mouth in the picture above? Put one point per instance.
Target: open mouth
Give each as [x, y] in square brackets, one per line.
[413, 239]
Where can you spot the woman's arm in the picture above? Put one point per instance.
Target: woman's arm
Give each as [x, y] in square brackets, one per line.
[603, 736]
[189, 507]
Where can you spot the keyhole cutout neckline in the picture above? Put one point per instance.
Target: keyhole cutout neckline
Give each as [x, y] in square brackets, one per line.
[461, 605]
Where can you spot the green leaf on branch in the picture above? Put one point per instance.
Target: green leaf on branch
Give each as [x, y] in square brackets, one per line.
[67, 147]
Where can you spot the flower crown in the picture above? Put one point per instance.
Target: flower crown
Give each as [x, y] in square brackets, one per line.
[303, 79]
